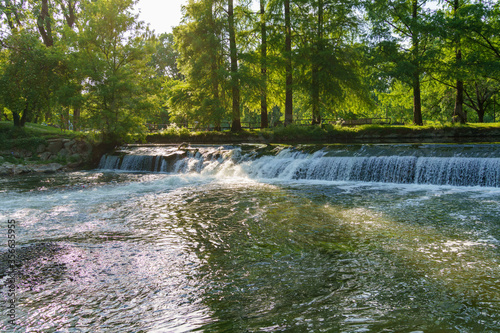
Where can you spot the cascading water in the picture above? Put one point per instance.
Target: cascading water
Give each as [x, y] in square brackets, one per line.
[435, 165]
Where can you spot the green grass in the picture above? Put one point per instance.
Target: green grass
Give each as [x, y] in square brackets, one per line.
[31, 136]
[330, 133]
[31, 129]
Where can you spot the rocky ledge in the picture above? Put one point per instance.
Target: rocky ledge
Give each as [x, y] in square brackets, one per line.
[63, 153]
[16, 169]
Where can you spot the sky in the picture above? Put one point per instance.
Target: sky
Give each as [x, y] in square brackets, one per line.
[161, 15]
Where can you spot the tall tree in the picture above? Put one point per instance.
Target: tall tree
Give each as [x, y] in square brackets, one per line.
[399, 24]
[458, 112]
[328, 60]
[317, 50]
[288, 65]
[120, 91]
[235, 84]
[200, 44]
[415, 39]
[264, 123]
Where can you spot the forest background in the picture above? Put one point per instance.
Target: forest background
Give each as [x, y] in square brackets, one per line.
[93, 66]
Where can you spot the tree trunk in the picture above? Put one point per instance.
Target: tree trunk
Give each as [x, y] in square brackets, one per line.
[44, 24]
[289, 68]
[17, 119]
[24, 117]
[458, 112]
[417, 102]
[480, 114]
[236, 124]
[69, 13]
[264, 122]
[214, 78]
[316, 82]
[76, 119]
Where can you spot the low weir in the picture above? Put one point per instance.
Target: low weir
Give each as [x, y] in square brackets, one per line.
[455, 165]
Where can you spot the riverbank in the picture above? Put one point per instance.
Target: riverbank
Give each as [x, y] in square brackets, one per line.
[369, 134]
[43, 149]
[38, 148]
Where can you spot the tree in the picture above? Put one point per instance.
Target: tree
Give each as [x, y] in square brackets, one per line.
[164, 59]
[400, 27]
[235, 84]
[30, 77]
[458, 111]
[120, 86]
[264, 123]
[288, 66]
[202, 62]
[12, 13]
[328, 65]
[479, 96]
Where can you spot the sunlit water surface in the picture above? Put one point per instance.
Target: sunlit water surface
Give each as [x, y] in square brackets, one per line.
[180, 253]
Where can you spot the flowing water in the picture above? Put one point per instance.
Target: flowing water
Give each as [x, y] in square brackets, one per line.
[397, 238]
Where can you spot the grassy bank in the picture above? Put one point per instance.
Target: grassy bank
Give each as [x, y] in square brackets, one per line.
[31, 135]
[19, 145]
[446, 133]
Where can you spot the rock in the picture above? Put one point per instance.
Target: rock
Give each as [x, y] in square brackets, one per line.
[18, 169]
[45, 156]
[83, 148]
[6, 169]
[2, 159]
[76, 158]
[26, 153]
[63, 153]
[47, 168]
[69, 145]
[40, 149]
[55, 146]
[73, 165]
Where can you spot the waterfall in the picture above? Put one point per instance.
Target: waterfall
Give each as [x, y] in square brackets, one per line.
[456, 166]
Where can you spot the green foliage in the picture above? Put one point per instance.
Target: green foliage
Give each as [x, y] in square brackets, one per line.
[95, 67]
[120, 86]
[30, 75]
[173, 131]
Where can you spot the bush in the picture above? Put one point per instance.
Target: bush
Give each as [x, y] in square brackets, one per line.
[175, 131]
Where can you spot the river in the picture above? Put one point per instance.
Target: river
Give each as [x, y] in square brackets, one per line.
[345, 238]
